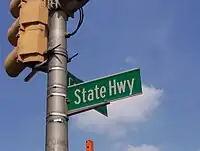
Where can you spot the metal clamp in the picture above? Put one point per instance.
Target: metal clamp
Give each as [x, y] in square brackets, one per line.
[56, 86]
[57, 114]
[59, 120]
[42, 66]
[60, 52]
[63, 53]
[57, 68]
[57, 94]
[53, 4]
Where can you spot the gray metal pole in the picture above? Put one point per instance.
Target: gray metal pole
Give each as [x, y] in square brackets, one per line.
[56, 118]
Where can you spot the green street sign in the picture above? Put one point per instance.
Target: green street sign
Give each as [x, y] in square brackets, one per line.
[72, 80]
[109, 88]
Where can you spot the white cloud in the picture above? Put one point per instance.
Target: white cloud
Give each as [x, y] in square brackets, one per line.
[122, 114]
[119, 146]
[143, 147]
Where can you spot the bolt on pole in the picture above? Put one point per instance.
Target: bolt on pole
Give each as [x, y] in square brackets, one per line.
[56, 117]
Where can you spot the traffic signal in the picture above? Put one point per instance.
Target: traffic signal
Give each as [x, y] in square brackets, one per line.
[28, 34]
[72, 6]
[89, 145]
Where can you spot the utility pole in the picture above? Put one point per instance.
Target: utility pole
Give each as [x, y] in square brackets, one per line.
[56, 117]
[39, 39]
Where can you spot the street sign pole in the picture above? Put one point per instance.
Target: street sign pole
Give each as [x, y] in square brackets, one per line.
[56, 117]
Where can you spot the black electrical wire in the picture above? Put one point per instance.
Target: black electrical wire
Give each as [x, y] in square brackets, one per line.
[79, 23]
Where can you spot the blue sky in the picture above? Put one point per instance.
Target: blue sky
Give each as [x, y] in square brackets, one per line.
[160, 37]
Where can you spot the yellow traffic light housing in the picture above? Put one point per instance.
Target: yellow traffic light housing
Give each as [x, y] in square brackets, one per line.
[14, 8]
[12, 66]
[28, 34]
[33, 34]
[12, 32]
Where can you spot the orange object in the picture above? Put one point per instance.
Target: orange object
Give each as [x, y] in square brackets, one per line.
[89, 145]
